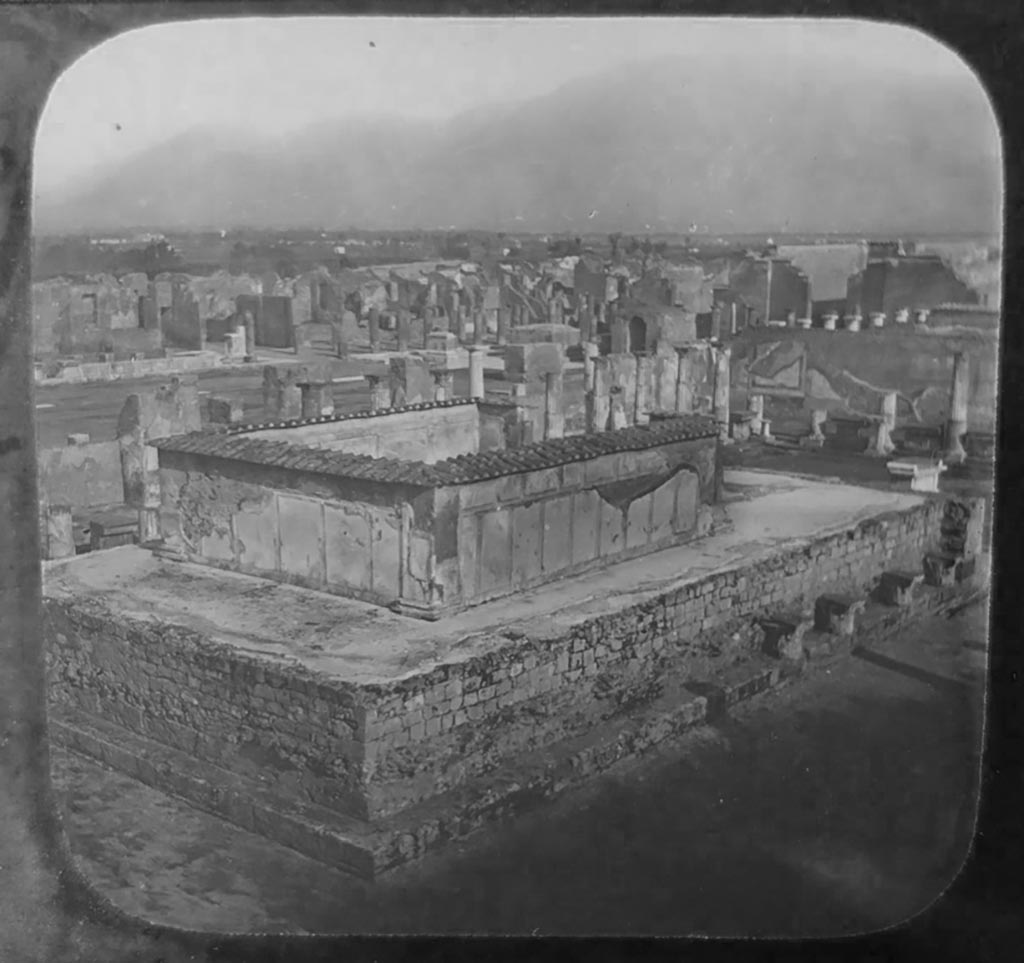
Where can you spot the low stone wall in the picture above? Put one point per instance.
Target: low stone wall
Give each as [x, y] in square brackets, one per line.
[375, 750]
[88, 371]
[428, 435]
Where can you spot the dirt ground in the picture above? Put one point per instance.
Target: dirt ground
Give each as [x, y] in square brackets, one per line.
[841, 804]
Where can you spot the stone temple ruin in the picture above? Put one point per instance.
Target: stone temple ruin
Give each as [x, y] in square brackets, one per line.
[363, 635]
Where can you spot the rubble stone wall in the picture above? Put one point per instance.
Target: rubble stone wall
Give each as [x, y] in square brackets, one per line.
[438, 729]
[375, 750]
[300, 736]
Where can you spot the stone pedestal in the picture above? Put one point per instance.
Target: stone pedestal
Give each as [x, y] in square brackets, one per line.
[57, 531]
[317, 399]
[837, 614]
[444, 385]
[381, 393]
[877, 319]
[223, 411]
[282, 396]
[830, 322]
[234, 345]
[898, 588]
[902, 316]
[783, 636]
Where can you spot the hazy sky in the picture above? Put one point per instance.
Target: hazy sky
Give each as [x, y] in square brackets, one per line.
[282, 74]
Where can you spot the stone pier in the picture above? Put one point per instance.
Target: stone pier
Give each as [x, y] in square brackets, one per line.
[956, 427]
[282, 396]
[477, 353]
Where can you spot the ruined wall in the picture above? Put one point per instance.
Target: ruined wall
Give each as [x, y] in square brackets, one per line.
[101, 314]
[848, 372]
[292, 526]
[297, 735]
[521, 530]
[435, 731]
[429, 435]
[81, 476]
[273, 319]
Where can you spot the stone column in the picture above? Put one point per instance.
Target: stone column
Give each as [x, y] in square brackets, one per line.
[476, 370]
[404, 330]
[591, 350]
[684, 384]
[881, 445]
[732, 318]
[755, 405]
[250, 336]
[721, 397]
[956, 427]
[373, 325]
[380, 395]
[503, 320]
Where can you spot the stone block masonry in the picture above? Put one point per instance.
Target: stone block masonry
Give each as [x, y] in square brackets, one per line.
[413, 747]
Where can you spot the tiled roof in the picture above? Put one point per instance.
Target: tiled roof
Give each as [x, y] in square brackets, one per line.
[561, 451]
[347, 416]
[462, 469]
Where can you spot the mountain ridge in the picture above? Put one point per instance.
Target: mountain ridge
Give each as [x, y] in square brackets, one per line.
[655, 146]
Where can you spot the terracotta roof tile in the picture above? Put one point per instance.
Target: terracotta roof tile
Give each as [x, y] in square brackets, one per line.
[460, 469]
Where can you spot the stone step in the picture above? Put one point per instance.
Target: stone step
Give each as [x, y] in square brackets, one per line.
[314, 831]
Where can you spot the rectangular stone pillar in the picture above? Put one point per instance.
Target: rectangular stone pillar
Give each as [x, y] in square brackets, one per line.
[723, 359]
[380, 392]
[476, 370]
[404, 331]
[282, 396]
[56, 531]
[620, 336]
[503, 321]
[591, 351]
[317, 400]
[684, 383]
[956, 426]
[373, 326]
[554, 406]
